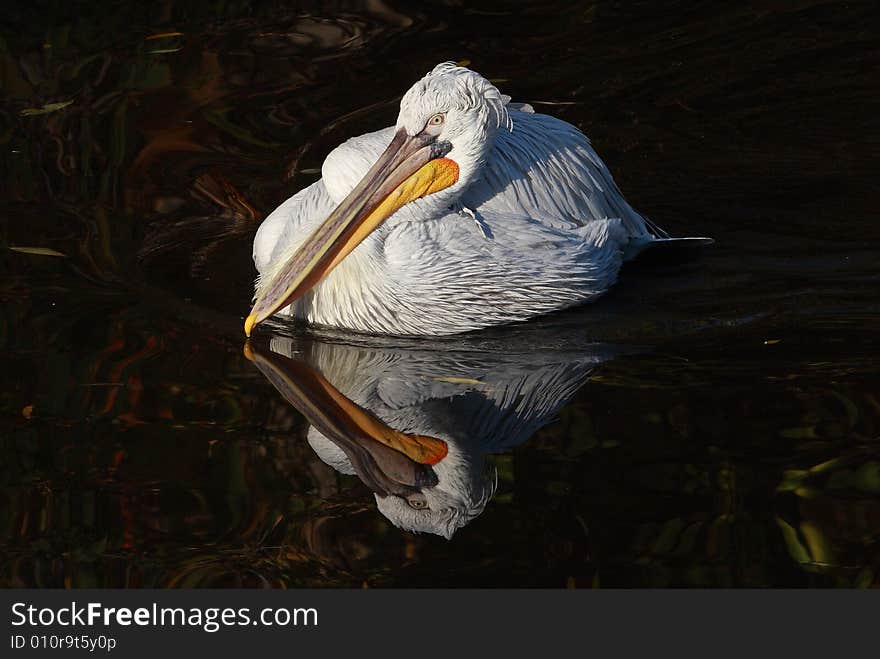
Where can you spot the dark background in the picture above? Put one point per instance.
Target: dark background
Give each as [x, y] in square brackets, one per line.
[140, 145]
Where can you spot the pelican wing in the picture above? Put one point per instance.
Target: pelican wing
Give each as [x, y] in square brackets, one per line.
[546, 168]
[289, 224]
[501, 410]
[490, 400]
[299, 214]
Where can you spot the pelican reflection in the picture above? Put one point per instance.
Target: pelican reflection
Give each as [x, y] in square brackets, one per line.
[418, 424]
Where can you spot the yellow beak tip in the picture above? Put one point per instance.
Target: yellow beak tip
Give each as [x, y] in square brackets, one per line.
[249, 323]
[248, 352]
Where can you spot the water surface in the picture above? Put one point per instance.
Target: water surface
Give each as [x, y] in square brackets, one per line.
[708, 423]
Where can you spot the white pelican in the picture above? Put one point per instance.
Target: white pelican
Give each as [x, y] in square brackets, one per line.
[417, 424]
[470, 212]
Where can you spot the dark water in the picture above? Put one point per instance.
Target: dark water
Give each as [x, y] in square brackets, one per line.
[722, 423]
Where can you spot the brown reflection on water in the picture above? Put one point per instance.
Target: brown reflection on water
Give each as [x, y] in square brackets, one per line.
[141, 144]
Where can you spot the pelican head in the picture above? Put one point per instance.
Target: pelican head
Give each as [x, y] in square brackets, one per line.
[458, 107]
[445, 128]
[465, 482]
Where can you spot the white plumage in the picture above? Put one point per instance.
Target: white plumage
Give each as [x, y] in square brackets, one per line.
[479, 399]
[534, 223]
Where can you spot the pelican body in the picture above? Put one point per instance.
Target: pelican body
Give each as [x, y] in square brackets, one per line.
[416, 422]
[471, 211]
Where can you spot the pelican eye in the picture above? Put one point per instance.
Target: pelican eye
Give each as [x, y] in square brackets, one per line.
[437, 119]
[417, 501]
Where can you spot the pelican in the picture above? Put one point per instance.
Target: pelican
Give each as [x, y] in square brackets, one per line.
[470, 212]
[418, 424]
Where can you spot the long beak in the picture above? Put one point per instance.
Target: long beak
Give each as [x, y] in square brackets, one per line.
[386, 460]
[411, 167]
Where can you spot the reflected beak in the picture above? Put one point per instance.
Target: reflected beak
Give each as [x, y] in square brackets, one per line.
[410, 168]
[386, 460]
